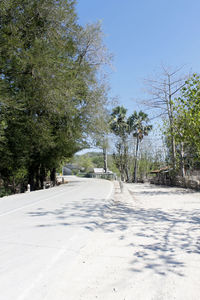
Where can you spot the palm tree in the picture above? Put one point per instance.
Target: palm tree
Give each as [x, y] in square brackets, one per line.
[118, 122]
[139, 127]
[119, 127]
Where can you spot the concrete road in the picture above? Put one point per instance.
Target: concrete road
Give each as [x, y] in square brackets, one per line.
[42, 234]
[75, 243]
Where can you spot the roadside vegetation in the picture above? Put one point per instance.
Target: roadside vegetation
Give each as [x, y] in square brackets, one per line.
[174, 100]
[88, 161]
[51, 91]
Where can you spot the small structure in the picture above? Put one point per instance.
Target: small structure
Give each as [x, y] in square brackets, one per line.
[162, 176]
[100, 173]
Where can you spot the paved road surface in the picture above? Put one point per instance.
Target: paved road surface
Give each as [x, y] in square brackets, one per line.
[70, 243]
[41, 235]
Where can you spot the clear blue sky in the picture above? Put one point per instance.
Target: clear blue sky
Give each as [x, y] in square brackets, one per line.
[142, 34]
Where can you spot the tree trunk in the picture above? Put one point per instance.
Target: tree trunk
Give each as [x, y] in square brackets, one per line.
[136, 158]
[121, 162]
[13, 185]
[42, 176]
[126, 163]
[105, 160]
[182, 160]
[31, 173]
[173, 144]
[171, 122]
[121, 167]
[53, 176]
[125, 159]
[37, 178]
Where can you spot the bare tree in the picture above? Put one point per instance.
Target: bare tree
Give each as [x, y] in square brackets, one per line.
[164, 90]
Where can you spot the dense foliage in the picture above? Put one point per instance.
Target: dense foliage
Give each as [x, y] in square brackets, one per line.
[187, 124]
[50, 93]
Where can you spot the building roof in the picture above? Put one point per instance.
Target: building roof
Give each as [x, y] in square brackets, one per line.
[99, 170]
[161, 170]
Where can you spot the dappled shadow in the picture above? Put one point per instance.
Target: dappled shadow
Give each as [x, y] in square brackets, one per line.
[153, 190]
[166, 192]
[157, 236]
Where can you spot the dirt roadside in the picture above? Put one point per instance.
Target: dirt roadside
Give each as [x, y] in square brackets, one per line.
[144, 246]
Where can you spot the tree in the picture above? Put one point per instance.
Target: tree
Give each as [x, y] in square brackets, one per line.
[119, 127]
[187, 121]
[101, 132]
[50, 91]
[164, 90]
[138, 126]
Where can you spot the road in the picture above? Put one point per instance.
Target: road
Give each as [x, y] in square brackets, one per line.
[81, 242]
[41, 235]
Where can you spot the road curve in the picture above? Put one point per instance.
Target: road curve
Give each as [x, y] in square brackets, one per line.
[42, 233]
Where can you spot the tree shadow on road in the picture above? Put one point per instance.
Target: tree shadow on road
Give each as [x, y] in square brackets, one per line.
[154, 237]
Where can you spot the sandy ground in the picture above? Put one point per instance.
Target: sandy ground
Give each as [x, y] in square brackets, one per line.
[145, 246]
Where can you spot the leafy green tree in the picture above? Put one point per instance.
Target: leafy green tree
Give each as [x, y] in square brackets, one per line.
[31, 62]
[97, 160]
[187, 121]
[50, 93]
